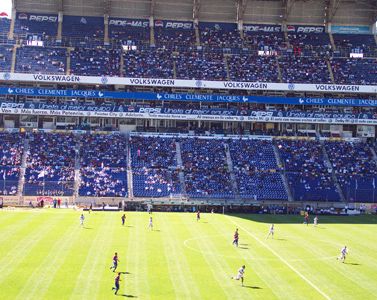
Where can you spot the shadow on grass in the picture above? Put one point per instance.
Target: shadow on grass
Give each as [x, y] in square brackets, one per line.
[252, 287]
[126, 273]
[352, 264]
[127, 296]
[243, 247]
[295, 219]
[88, 227]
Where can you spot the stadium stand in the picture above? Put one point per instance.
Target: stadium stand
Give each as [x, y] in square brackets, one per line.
[354, 71]
[11, 150]
[41, 60]
[205, 168]
[103, 166]
[95, 62]
[50, 165]
[355, 169]
[27, 23]
[307, 174]
[154, 167]
[155, 63]
[252, 68]
[256, 170]
[6, 52]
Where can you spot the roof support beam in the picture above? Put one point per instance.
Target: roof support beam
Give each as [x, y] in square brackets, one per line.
[106, 7]
[60, 5]
[331, 9]
[152, 6]
[241, 7]
[288, 5]
[195, 9]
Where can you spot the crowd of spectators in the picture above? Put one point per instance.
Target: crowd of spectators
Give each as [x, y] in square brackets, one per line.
[308, 176]
[11, 149]
[41, 60]
[206, 169]
[103, 161]
[355, 43]
[174, 39]
[217, 38]
[95, 62]
[296, 69]
[4, 26]
[50, 165]
[253, 68]
[355, 169]
[155, 63]
[264, 41]
[256, 170]
[354, 71]
[154, 166]
[129, 35]
[310, 41]
[5, 57]
[201, 65]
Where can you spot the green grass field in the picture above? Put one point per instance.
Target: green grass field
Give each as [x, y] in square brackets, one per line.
[45, 254]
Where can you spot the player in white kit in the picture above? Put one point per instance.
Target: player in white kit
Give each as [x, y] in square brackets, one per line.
[271, 232]
[343, 254]
[315, 221]
[240, 274]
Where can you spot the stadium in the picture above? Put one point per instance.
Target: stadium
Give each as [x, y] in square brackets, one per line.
[202, 141]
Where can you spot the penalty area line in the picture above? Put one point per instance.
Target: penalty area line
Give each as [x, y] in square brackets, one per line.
[282, 259]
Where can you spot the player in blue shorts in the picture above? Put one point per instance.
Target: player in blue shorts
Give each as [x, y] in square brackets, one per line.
[116, 288]
[115, 262]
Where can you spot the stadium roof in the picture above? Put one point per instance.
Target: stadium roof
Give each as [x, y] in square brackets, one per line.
[358, 12]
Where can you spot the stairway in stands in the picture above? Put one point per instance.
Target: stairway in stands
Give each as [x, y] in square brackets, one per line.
[21, 181]
[180, 167]
[130, 185]
[230, 168]
[329, 166]
[283, 175]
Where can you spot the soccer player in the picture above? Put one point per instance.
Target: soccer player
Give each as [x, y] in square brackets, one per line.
[115, 262]
[235, 237]
[198, 216]
[116, 288]
[315, 221]
[82, 218]
[90, 208]
[343, 254]
[150, 223]
[271, 232]
[306, 218]
[123, 219]
[240, 274]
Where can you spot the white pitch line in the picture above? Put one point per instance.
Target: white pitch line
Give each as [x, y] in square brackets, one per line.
[282, 259]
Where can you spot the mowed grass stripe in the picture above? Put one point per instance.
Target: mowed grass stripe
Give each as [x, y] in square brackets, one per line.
[87, 282]
[67, 276]
[53, 259]
[137, 283]
[160, 282]
[261, 266]
[10, 228]
[282, 283]
[179, 271]
[324, 269]
[199, 268]
[304, 278]
[13, 262]
[221, 271]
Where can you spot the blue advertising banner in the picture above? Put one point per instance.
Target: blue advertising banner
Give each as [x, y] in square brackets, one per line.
[171, 24]
[217, 26]
[166, 112]
[25, 91]
[133, 23]
[267, 28]
[350, 29]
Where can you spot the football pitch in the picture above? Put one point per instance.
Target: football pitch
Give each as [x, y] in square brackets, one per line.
[45, 254]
